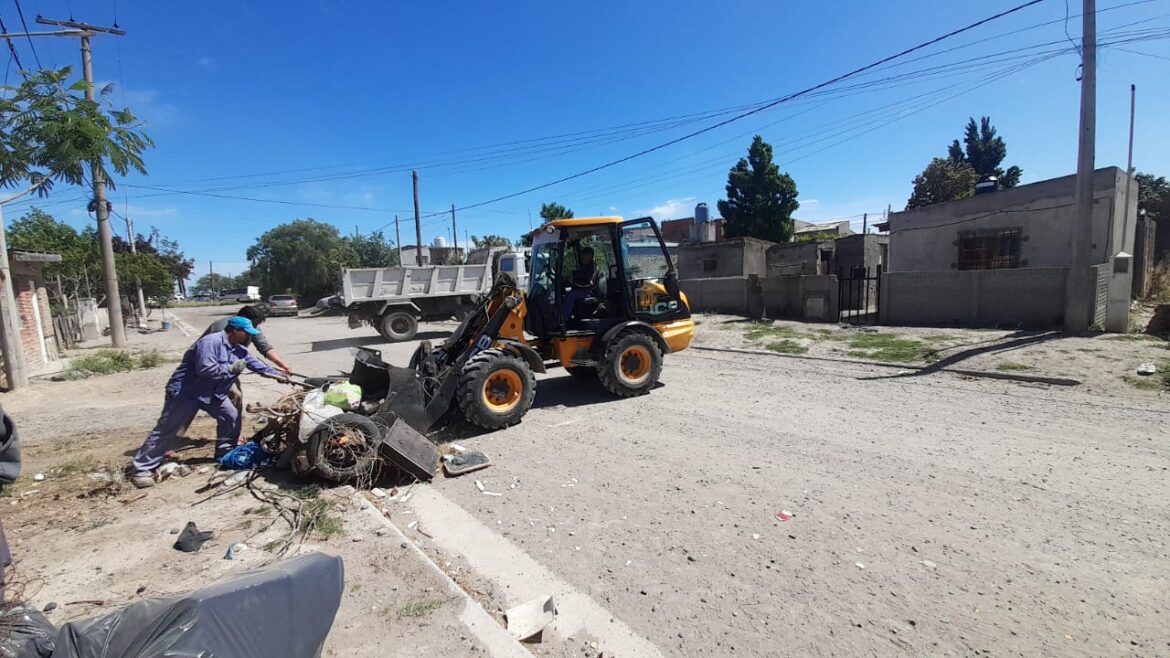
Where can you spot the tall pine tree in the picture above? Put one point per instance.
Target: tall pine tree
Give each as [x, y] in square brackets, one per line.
[760, 200]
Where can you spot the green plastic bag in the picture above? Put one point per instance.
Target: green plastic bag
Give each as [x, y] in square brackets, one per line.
[344, 396]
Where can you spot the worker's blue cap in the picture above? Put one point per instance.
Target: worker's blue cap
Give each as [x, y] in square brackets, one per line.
[239, 322]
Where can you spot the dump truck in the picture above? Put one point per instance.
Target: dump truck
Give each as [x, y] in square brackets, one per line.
[393, 300]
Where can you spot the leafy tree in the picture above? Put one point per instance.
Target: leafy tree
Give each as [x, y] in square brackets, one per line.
[80, 255]
[760, 200]
[944, 179]
[52, 133]
[1154, 196]
[490, 241]
[213, 283]
[525, 240]
[150, 270]
[551, 211]
[303, 257]
[372, 250]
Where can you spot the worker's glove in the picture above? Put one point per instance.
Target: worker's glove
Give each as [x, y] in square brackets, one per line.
[237, 367]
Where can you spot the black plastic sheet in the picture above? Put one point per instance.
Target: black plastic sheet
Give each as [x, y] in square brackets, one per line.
[284, 610]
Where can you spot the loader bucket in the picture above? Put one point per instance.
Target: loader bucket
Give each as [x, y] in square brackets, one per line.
[402, 389]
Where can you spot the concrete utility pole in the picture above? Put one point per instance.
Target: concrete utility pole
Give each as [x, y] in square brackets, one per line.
[137, 281]
[454, 231]
[398, 241]
[15, 370]
[418, 258]
[1129, 161]
[105, 235]
[1078, 295]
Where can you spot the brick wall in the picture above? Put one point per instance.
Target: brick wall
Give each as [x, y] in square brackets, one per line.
[30, 333]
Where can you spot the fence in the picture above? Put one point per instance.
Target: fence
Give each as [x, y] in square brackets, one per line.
[812, 298]
[1026, 297]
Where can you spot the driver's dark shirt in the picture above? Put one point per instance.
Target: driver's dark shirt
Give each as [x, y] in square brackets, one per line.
[585, 276]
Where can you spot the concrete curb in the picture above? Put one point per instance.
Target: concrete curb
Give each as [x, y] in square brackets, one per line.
[481, 624]
[1030, 379]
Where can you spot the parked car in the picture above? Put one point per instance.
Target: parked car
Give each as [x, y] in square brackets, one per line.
[201, 298]
[282, 305]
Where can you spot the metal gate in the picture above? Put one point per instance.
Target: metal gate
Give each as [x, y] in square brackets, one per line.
[859, 295]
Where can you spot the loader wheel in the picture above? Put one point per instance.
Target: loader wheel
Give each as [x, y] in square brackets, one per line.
[398, 326]
[496, 389]
[631, 365]
[344, 447]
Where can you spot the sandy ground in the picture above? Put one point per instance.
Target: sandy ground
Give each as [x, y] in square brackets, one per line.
[930, 514]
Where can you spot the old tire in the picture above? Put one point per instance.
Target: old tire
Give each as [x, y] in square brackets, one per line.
[582, 372]
[398, 326]
[631, 365]
[496, 389]
[344, 447]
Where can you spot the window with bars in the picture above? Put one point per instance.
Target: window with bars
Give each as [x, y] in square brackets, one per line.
[997, 249]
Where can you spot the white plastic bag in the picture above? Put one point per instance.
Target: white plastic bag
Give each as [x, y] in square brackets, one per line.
[314, 411]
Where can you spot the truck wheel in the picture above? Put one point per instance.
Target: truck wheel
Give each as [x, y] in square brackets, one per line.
[496, 389]
[631, 365]
[344, 447]
[398, 326]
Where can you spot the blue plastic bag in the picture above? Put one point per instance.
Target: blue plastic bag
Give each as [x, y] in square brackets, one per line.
[248, 457]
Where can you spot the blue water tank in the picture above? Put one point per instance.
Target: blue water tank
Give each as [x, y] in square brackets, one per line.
[701, 214]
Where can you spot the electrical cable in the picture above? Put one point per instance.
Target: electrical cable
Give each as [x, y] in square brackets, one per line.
[12, 49]
[24, 24]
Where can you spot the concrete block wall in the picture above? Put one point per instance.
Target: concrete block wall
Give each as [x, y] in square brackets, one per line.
[788, 297]
[734, 295]
[1031, 298]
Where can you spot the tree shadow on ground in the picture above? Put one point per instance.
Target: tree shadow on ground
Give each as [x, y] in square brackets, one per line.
[1014, 341]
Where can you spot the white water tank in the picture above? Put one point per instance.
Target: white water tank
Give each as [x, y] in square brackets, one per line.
[440, 242]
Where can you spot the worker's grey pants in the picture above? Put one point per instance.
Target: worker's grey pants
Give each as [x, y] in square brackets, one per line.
[177, 414]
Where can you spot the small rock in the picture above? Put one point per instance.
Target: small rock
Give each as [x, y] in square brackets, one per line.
[755, 535]
[859, 565]
[928, 564]
[1147, 369]
[356, 539]
[378, 492]
[49, 607]
[141, 589]
[174, 531]
[203, 470]
[39, 477]
[382, 532]
[692, 558]
[365, 506]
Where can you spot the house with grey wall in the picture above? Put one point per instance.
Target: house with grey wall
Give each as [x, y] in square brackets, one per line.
[732, 257]
[1002, 258]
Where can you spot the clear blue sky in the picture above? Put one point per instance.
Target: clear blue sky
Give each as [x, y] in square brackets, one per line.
[353, 94]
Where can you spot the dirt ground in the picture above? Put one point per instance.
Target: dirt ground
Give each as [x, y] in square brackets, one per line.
[1104, 364]
[927, 514]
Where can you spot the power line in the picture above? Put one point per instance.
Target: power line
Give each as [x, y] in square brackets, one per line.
[12, 49]
[24, 24]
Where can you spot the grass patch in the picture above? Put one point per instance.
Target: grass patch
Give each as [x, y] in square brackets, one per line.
[1013, 367]
[316, 517]
[759, 330]
[1130, 337]
[891, 348]
[76, 465]
[1088, 350]
[106, 362]
[421, 608]
[787, 346]
[941, 339]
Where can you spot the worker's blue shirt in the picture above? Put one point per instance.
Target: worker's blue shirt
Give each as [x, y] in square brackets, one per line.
[204, 372]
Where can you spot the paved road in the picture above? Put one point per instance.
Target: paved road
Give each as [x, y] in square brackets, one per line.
[931, 515]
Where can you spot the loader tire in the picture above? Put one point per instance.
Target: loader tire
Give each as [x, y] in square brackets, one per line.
[398, 326]
[496, 389]
[631, 365]
[344, 447]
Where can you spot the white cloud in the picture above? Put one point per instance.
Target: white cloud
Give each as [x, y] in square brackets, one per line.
[613, 209]
[149, 105]
[808, 202]
[670, 209]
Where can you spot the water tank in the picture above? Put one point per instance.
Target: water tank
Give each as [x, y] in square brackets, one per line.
[701, 214]
[440, 242]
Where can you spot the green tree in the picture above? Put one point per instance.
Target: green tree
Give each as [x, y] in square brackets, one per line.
[551, 211]
[490, 241]
[1154, 197]
[760, 200]
[944, 179]
[80, 255]
[303, 257]
[985, 152]
[212, 283]
[52, 133]
[151, 271]
[372, 250]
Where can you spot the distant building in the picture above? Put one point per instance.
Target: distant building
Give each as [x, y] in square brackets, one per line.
[680, 230]
[837, 229]
[38, 337]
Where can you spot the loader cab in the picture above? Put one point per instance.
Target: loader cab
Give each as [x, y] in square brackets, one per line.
[590, 274]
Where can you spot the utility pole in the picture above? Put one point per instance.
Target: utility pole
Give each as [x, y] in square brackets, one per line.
[137, 281]
[1129, 161]
[418, 258]
[864, 223]
[1079, 287]
[398, 241]
[454, 231]
[97, 175]
[15, 372]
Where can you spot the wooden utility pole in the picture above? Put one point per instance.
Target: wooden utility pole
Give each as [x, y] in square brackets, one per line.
[418, 258]
[97, 175]
[1078, 294]
[398, 241]
[15, 371]
[864, 223]
[137, 281]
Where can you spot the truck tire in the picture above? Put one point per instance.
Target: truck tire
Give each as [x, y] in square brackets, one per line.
[631, 364]
[496, 389]
[344, 447]
[398, 326]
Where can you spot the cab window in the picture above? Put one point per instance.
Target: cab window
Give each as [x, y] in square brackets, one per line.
[647, 267]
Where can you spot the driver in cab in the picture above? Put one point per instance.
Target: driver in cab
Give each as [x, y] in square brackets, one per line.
[582, 284]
